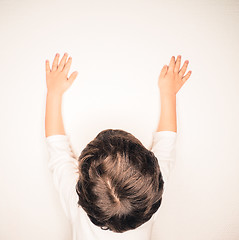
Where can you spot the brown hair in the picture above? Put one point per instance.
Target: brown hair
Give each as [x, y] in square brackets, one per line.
[120, 185]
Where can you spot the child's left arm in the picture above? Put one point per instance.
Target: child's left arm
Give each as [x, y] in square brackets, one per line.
[62, 160]
[57, 84]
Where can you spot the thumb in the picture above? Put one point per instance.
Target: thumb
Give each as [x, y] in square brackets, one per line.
[72, 77]
[163, 71]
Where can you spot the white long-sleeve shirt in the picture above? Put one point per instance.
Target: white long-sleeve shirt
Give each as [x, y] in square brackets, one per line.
[63, 164]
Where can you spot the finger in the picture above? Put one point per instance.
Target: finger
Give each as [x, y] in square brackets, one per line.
[72, 77]
[67, 66]
[163, 71]
[177, 65]
[184, 68]
[62, 62]
[186, 77]
[55, 62]
[171, 64]
[48, 70]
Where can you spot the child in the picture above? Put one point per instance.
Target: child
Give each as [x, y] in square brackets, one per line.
[113, 190]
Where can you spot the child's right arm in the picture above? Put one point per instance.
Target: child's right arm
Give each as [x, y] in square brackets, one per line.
[164, 139]
[170, 81]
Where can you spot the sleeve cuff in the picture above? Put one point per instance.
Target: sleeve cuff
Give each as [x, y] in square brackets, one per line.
[157, 135]
[57, 137]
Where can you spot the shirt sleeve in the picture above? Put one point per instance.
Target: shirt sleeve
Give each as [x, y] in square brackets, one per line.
[63, 165]
[163, 147]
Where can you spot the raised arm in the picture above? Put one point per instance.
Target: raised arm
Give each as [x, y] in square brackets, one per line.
[171, 79]
[57, 84]
[62, 161]
[164, 139]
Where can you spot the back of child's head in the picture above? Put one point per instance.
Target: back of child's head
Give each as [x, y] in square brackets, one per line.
[120, 185]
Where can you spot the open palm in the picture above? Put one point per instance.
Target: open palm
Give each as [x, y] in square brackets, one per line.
[56, 78]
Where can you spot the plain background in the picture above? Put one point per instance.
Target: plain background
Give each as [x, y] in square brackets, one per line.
[119, 49]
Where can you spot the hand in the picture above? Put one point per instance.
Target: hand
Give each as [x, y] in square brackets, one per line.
[171, 79]
[56, 78]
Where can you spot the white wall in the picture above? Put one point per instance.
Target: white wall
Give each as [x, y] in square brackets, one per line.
[119, 48]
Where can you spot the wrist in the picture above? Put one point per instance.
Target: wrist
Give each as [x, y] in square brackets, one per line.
[167, 94]
[54, 94]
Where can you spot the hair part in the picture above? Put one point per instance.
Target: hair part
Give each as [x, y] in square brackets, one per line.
[120, 185]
